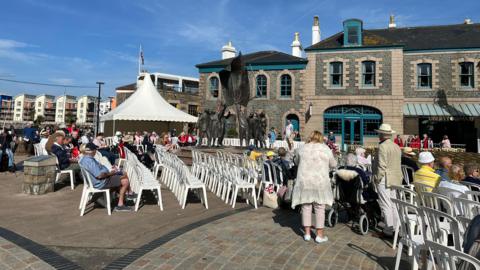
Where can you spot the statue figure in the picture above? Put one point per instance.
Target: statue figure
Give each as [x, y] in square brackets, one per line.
[203, 124]
[262, 128]
[243, 126]
[221, 121]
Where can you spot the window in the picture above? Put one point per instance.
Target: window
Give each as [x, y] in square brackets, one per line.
[214, 85]
[39, 104]
[370, 125]
[285, 86]
[336, 74]
[368, 73]
[261, 86]
[193, 110]
[19, 103]
[352, 35]
[467, 75]
[332, 125]
[424, 75]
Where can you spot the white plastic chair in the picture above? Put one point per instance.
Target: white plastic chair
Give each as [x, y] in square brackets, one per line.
[471, 186]
[412, 236]
[439, 226]
[60, 172]
[89, 190]
[406, 172]
[405, 195]
[449, 258]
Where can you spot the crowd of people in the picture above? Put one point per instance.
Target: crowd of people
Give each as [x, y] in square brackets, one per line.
[415, 142]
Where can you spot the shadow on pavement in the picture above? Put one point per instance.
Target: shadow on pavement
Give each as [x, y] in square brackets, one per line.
[384, 262]
[288, 218]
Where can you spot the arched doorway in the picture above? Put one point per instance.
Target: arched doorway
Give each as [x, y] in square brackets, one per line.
[295, 121]
[352, 122]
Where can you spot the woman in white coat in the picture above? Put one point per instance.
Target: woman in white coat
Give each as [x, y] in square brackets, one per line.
[312, 187]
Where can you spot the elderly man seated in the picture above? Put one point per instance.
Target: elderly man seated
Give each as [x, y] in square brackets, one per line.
[426, 174]
[65, 161]
[103, 178]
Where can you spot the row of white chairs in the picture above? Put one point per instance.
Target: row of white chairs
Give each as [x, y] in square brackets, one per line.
[178, 177]
[41, 151]
[225, 176]
[428, 220]
[141, 179]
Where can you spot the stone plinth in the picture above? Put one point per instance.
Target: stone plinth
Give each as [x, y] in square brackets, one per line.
[39, 175]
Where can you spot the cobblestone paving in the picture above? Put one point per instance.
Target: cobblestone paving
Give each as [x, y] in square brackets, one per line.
[14, 257]
[266, 239]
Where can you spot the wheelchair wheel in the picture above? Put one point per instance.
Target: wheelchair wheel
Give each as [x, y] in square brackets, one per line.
[332, 218]
[363, 224]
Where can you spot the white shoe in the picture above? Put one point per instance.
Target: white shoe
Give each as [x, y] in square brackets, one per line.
[320, 240]
[307, 237]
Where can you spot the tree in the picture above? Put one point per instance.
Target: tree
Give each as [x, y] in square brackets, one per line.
[39, 120]
[70, 118]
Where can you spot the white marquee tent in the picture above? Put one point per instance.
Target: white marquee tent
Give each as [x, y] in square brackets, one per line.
[144, 110]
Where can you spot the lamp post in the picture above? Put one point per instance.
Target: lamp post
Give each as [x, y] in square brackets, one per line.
[98, 106]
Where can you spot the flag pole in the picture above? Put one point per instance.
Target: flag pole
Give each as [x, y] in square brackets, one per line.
[140, 60]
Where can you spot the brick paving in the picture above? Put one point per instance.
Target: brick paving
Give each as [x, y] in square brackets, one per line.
[266, 239]
[15, 257]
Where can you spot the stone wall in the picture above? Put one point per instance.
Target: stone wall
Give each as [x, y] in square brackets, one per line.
[275, 107]
[445, 75]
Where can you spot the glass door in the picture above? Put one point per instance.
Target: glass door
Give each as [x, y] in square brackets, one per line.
[352, 131]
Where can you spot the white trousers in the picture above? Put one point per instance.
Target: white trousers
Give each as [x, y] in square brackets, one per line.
[389, 211]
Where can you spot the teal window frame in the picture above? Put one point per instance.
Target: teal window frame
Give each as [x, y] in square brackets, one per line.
[348, 27]
[285, 86]
[371, 73]
[469, 74]
[336, 75]
[424, 76]
[261, 86]
[214, 85]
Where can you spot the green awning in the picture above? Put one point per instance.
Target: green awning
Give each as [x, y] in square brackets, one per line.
[456, 109]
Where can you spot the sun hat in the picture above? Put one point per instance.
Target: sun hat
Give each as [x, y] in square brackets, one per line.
[425, 158]
[385, 129]
[408, 151]
[118, 133]
[270, 154]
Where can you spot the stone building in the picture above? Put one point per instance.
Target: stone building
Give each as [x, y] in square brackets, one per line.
[418, 79]
[179, 91]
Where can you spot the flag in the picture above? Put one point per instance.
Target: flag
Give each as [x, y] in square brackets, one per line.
[141, 57]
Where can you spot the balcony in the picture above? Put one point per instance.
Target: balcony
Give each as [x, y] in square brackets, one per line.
[179, 89]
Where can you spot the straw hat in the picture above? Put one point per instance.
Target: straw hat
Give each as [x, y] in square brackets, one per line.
[385, 129]
[408, 151]
[425, 158]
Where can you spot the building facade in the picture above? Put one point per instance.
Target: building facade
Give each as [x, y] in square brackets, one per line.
[45, 107]
[418, 79]
[179, 91]
[66, 109]
[86, 108]
[6, 108]
[24, 108]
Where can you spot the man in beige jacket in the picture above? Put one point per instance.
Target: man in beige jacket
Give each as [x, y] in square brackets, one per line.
[387, 172]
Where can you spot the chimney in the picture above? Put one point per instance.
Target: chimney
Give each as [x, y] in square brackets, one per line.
[228, 51]
[315, 30]
[467, 21]
[392, 23]
[296, 46]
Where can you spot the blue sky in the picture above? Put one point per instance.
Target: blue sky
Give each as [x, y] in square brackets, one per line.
[81, 42]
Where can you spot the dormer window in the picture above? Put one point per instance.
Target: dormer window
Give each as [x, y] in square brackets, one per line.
[352, 32]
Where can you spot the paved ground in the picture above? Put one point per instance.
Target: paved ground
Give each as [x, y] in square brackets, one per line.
[194, 238]
[266, 239]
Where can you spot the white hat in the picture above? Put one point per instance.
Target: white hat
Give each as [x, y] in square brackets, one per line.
[425, 158]
[118, 133]
[385, 129]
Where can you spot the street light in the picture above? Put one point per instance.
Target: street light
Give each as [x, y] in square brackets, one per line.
[98, 106]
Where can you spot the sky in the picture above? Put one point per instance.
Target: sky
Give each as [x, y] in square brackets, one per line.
[78, 43]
